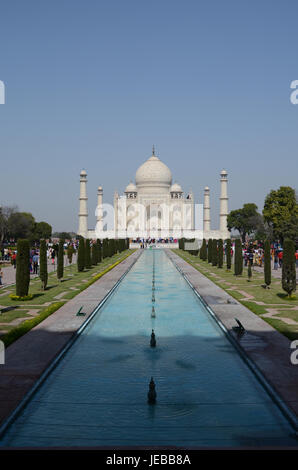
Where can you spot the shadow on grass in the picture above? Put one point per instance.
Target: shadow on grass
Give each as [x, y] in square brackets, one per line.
[286, 297]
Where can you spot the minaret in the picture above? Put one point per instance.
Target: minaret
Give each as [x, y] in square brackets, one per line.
[223, 214]
[99, 215]
[206, 226]
[83, 213]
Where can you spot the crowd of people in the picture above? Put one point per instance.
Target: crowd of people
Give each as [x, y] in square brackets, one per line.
[255, 256]
[9, 255]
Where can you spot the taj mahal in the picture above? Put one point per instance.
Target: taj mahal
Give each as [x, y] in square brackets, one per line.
[153, 207]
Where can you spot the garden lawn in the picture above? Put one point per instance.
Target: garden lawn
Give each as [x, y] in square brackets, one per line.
[14, 312]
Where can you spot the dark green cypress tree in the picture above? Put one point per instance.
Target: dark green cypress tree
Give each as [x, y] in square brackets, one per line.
[288, 267]
[112, 247]
[70, 252]
[104, 248]
[81, 255]
[98, 250]
[22, 268]
[214, 253]
[249, 271]
[220, 253]
[238, 263]
[267, 263]
[94, 254]
[87, 254]
[210, 250]
[228, 253]
[43, 264]
[60, 264]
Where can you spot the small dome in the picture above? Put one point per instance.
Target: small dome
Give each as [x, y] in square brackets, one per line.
[176, 188]
[131, 188]
[153, 173]
[223, 172]
[83, 173]
[99, 188]
[206, 188]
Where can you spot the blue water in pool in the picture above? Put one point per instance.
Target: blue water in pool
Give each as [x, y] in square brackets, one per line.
[97, 395]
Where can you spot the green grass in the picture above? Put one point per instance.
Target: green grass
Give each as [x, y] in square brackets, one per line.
[12, 315]
[71, 279]
[27, 325]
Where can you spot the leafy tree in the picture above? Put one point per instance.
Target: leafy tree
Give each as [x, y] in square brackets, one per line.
[60, 265]
[228, 253]
[5, 213]
[43, 264]
[288, 267]
[87, 254]
[210, 241]
[81, 255]
[42, 230]
[238, 263]
[220, 253]
[281, 212]
[244, 220]
[21, 225]
[64, 235]
[22, 267]
[267, 263]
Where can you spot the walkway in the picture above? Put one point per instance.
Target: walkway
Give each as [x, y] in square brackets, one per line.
[9, 272]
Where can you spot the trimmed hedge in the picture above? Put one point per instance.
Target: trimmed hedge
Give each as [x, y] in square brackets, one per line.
[22, 268]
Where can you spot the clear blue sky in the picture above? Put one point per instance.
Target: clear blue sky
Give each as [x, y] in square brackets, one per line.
[93, 84]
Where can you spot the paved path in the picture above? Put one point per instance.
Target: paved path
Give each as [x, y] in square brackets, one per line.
[268, 348]
[29, 356]
[274, 272]
[9, 272]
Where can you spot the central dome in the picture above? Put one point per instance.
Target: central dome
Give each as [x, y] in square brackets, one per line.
[153, 175]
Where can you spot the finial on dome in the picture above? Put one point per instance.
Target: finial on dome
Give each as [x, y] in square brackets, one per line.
[153, 150]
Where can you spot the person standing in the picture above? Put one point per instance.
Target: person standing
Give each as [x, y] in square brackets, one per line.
[14, 259]
[280, 254]
[1, 277]
[35, 263]
[276, 264]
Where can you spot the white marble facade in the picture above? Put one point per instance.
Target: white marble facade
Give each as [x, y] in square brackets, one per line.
[153, 207]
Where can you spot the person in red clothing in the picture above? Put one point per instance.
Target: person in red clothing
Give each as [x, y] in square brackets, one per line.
[296, 255]
[14, 259]
[280, 258]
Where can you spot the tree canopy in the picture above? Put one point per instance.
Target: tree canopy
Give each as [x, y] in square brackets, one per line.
[245, 220]
[15, 224]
